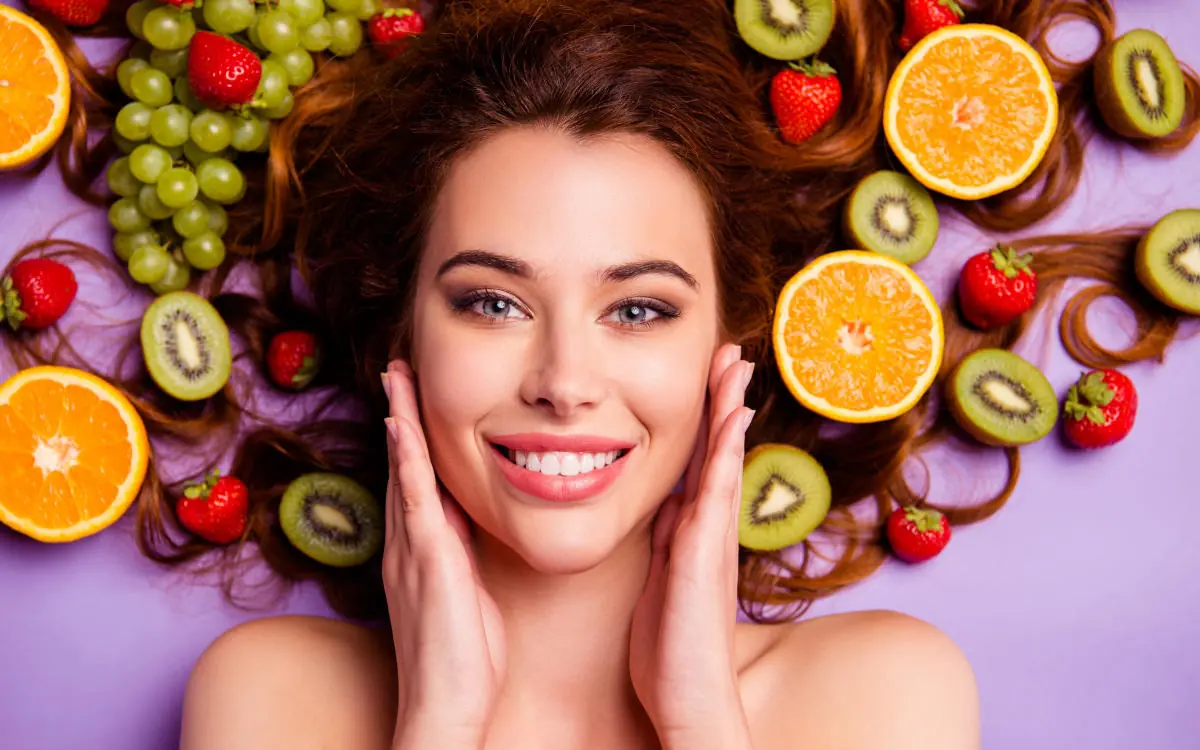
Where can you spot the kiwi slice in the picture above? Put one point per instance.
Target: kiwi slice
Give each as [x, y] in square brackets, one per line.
[186, 346]
[1139, 86]
[332, 519]
[785, 495]
[1168, 260]
[785, 29]
[1001, 399]
[893, 214]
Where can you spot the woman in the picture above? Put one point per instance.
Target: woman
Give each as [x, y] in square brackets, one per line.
[550, 221]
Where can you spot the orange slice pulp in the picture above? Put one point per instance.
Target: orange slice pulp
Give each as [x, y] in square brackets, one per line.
[35, 89]
[858, 336]
[971, 110]
[73, 453]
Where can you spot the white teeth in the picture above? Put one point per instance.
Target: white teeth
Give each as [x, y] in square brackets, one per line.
[601, 460]
[534, 462]
[570, 464]
[612, 456]
[559, 463]
[587, 462]
[520, 458]
[550, 464]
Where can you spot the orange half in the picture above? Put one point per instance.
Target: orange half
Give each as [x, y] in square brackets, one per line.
[858, 336]
[971, 110]
[35, 89]
[73, 453]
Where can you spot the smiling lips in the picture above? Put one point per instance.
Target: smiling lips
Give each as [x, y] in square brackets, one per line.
[560, 468]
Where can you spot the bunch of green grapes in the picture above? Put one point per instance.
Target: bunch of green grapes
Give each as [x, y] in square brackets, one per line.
[178, 171]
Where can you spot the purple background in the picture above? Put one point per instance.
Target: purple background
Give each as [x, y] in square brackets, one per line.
[1075, 604]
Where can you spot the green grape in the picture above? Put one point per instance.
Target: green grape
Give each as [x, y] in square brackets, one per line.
[125, 71]
[316, 36]
[177, 187]
[204, 251]
[248, 132]
[173, 62]
[148, 264]
[229, 16]
[298, 64]
[124, 145]
[125, 216]
[252, 35]
[283, 110]
[350, 7]
[218, 219]
[150, 204]
[175, 279]
[151, 87]
[345, 34]
[194, 154]
[278, 32]
[184, 95]
[221, 181]
[368, 9]
[306, 12]
[135, 16]
[211, 131]
[168, 28]
[170, 124]
[120, 180]
[191, 220]
[273, 85]
[133, 121]
[125, 243]
[148, 162]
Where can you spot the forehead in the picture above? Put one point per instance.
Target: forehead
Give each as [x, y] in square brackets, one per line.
[561, 202]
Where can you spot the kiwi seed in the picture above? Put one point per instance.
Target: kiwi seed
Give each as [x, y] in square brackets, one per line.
[332, 519]
[1001, 399]
[1167, 261]
[785, 29]
[893, 214]
[1139, 85]
[185, 345]
[785, 495]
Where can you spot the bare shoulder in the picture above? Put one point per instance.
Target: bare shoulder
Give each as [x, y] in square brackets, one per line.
[878, 679]
[294, 682]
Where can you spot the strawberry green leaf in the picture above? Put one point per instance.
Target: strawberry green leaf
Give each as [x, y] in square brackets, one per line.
[925, 519]
[1007, 261]
[1095, 391]
[813, 67]
[12, 304]
[307, 371]
[1096, 415]
[397, 12]
[953, 7]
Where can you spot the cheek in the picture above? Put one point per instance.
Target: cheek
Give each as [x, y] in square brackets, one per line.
[665, 386]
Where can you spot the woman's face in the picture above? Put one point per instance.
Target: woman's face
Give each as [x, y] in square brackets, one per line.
[564, 322]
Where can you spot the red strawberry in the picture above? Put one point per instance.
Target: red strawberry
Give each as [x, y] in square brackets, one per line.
[996, 287]
[804, 98]
[73, 12]
[389, 29]
[293, 359]
[37, 292]
[922, 17]
[1100, 409]
[221, 72]
[216, 509]
[917, 534]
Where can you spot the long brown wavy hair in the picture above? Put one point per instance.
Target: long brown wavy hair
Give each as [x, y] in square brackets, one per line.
[345, 192]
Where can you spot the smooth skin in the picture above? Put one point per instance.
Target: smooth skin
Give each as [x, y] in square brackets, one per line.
[569, 287]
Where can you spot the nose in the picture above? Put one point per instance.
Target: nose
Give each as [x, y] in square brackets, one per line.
[564, 374]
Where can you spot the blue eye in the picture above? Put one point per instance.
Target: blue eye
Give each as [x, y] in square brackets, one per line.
[495, 307]
[635, 314]
[489, 305]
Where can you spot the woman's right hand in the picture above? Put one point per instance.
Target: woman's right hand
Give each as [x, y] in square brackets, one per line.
[447, 629]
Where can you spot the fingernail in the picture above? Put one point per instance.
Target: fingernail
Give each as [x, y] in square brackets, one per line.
[393, 429]
[739, 351]
[387, 384]
[746, 378]
[747, 418]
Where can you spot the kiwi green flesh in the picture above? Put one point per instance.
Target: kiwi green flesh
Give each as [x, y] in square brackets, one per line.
[1168, 260]
[785, 495]
[1004, 399]
[332, 519]
[893, 214]
[185, 345]
[785, 29]
[1141, 86]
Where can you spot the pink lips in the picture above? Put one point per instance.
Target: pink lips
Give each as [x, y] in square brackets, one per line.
[559, 489]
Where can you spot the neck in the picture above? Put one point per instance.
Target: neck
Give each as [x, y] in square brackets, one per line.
[568, 641]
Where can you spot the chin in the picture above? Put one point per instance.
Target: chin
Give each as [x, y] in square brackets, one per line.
[562, 545]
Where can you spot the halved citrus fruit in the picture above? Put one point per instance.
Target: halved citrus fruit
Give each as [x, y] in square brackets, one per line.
[858, 336]
[73, 453]
[35, 89]
[971, 110]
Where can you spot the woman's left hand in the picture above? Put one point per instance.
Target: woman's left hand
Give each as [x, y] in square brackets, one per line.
[681, 657]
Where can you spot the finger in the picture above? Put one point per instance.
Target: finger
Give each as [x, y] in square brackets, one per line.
[419, 510]
[724, 357]
[730, 394]
[695, 470]
[400, 386]
[723, 477]
[725, 370]
[394, 534]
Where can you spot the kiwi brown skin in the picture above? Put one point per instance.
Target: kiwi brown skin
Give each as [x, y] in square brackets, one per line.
[1107, 99]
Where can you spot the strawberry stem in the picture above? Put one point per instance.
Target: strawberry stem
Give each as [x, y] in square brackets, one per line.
[812, 67]
[953, 6]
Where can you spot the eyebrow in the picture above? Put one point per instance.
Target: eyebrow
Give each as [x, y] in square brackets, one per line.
[516, 267]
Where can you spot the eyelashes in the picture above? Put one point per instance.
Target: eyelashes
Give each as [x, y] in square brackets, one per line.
[496, 307]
